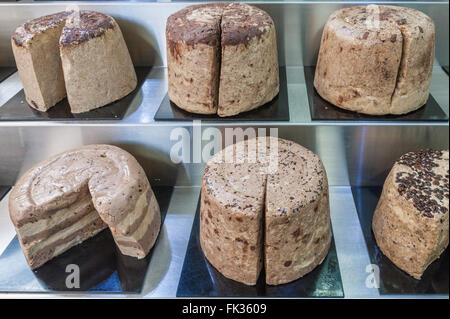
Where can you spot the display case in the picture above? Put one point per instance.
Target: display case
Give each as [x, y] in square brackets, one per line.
[357, 152]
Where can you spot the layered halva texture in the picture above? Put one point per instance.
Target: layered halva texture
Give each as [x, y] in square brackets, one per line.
[410, 222]
[222, 58]
[376, 59]
[72, 196]
[270, 210]
[78, 54]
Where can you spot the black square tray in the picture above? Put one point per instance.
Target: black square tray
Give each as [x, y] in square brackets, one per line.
[275, 110]
[3, 191]
[322, 110]
[102, 267]
[200, 279]
[6, 72]
[17, 108]
[394, 281]
[445, 68]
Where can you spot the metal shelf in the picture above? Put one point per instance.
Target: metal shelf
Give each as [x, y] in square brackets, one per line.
[148, 100]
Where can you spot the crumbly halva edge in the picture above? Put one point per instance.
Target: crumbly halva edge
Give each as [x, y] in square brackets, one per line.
[234, 38]
[388, 15]
[250, 210]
